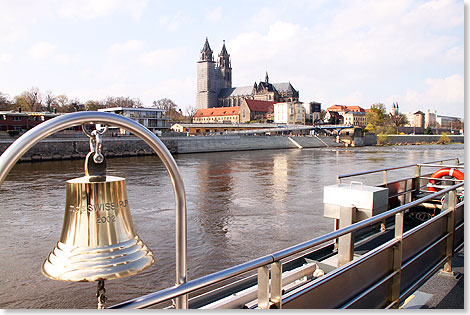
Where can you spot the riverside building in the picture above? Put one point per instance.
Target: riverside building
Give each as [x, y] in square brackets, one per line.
[152, 118]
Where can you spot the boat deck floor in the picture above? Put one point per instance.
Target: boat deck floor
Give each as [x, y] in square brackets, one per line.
[445, 291]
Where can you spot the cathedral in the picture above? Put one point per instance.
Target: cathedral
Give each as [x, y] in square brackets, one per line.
[214, 84]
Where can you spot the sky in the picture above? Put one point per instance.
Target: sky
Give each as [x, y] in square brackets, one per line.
[350, 52]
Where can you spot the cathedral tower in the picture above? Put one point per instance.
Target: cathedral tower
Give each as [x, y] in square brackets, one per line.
[212, 76]
[225, 67]
[206, 79]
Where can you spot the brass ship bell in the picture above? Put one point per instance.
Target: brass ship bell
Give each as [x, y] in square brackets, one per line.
[98, 240]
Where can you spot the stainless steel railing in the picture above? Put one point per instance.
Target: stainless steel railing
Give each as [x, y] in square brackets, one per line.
[261, 264]
[386, 170]
[33, 136]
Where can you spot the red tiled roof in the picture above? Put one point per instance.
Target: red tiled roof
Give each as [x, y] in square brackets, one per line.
[260, 106]
[217, 111]
[344, 108]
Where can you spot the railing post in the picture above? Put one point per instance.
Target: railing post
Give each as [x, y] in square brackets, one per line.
[346, 242]
[276, 284]
[263, 287]
[385, 177]
[397, 258]
[417, 180]
[452, 202]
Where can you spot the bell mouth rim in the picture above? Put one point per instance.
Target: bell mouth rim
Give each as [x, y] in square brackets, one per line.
[88, 264]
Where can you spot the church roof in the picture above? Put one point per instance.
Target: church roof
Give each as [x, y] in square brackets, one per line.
[237, 91]
[284, 87]
[260, 106]
[248, 90]
[217, 111]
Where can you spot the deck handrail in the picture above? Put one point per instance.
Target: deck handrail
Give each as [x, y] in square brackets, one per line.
[199, 283]
[339, 177]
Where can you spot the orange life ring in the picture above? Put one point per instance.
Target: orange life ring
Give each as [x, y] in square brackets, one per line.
[445, 172]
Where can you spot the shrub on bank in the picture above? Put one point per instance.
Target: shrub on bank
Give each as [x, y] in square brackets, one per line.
[381, 138]
[444, 139]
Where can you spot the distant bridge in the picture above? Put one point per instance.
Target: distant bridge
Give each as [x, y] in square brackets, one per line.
[289, 128]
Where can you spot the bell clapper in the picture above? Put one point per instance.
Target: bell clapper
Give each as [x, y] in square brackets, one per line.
[100, 291]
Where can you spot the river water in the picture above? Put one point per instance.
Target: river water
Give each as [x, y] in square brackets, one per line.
[241, 205]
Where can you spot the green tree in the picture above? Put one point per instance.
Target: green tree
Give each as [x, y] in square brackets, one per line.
[30, 100]
[370, 128]
[377, 117]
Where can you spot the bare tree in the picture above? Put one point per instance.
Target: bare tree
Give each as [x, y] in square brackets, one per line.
[190, 112]
[171, 109]
[94, 105]
[122, 101]
[61, 102]
[50, 100]
[166, 104]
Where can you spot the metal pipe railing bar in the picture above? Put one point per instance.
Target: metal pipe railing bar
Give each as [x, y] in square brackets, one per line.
[356, 226]
[425, 224]
[388, 169]
[339, 271]
[18, 148]
[422, 279]
[425, 250]
[369, 290]
[449, 179]
[458, 248]
[460, 165]
[193, 285]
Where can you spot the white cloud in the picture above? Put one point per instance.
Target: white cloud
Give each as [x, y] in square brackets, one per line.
[160, 57]
[172, 23]
[448, 91]
[5, 57]
[62, 59]
[89, 9]
[41, 50]
[214, 14]
[129, 46]
[181, 91]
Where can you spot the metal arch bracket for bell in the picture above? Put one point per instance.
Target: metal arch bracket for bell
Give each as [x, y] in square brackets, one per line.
[98, 240]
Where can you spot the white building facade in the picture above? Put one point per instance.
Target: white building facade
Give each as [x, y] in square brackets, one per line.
[290, 113]
[151, 118]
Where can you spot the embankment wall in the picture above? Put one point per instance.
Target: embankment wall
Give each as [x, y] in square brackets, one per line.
[59, 149]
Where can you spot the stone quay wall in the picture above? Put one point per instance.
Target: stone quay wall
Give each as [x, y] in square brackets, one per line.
[76, 148]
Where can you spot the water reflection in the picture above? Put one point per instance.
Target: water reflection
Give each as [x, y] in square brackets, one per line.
[241, 205]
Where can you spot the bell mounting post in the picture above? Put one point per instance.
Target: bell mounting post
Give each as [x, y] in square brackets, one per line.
[98, 241]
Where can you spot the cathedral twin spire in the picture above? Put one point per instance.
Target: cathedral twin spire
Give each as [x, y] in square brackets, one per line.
[206, 52]
[224, 57]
